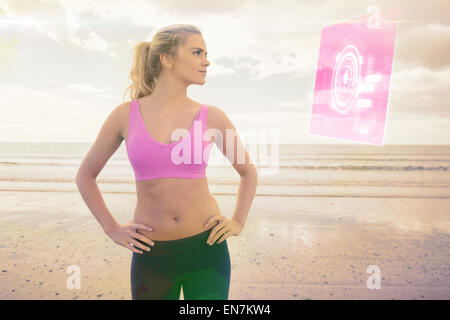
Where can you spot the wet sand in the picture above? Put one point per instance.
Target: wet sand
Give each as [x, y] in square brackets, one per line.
[291, 247]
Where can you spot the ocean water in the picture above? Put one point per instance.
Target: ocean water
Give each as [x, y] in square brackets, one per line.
[417, 171]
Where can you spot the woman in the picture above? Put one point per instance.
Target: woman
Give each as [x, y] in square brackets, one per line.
[178, 234]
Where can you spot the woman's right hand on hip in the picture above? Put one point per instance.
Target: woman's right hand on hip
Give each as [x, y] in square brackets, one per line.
[126, 234]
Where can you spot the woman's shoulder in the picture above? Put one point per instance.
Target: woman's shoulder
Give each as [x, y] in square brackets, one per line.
[213, 110]
[213, 113]
[217, 118]
[123, 113]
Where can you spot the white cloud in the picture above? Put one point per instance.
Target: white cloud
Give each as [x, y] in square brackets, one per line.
[420, 79]
[72, 20]
[91, 41]
[86, 88]
[59, 23]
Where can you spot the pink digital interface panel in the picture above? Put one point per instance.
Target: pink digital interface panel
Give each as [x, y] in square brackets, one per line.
[352, 80]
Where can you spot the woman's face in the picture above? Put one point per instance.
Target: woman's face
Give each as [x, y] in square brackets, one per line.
[192, 58]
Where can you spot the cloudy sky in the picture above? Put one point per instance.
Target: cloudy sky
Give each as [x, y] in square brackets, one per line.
[64, 64]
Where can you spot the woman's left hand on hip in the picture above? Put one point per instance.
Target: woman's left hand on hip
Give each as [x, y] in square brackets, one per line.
[224, 229]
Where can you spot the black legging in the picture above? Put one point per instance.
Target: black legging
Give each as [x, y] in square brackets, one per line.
[203, 270]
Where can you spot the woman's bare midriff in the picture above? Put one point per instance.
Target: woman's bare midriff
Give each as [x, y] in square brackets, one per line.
[174, 208]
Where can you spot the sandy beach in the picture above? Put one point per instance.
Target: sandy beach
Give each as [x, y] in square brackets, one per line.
[307, 242]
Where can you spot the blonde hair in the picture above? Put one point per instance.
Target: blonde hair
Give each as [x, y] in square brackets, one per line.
[146, 65]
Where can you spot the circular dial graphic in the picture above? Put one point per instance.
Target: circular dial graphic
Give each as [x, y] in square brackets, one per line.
[345, 80]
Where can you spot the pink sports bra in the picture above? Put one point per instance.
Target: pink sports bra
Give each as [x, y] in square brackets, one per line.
[151, 159]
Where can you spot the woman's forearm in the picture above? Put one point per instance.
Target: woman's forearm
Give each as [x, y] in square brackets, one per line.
[246, 193]
[91, 195]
